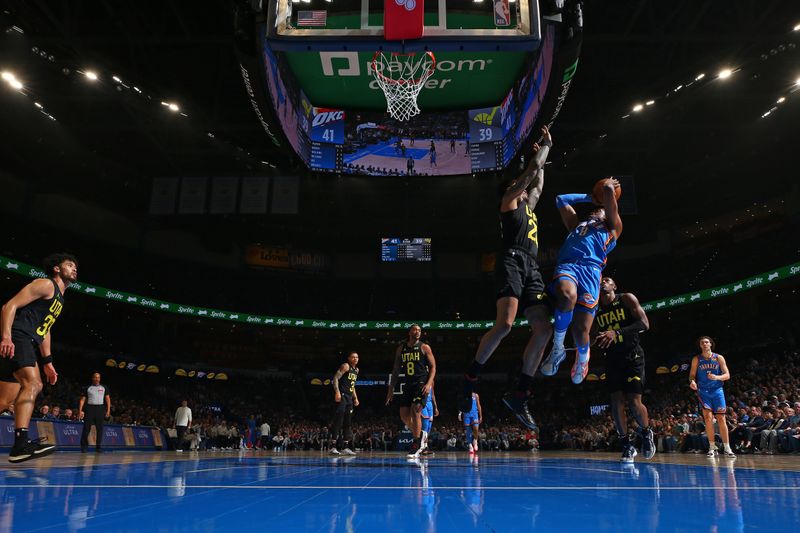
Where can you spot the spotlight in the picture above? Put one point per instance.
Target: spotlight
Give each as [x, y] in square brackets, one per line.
[91, 75]
[650, 102]
[15, 84]
[116, 79]
[173, 107]
[781, 100]
[797, 28]
[700, 77]
[37, 104]
[724, 74]
[637, 108]
[7, 76]
[797, 82]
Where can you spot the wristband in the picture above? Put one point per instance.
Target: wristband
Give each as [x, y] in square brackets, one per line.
[564, 200]
[47, 359]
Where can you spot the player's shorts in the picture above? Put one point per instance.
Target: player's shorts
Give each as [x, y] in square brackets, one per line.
[346, 405]
[26, 352]
[587, 280]
[713, 400]
[412, 394]
[517, 275]
[625, 371]
[470, 419]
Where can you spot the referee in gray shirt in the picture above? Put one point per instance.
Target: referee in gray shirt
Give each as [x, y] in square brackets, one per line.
[95, 406]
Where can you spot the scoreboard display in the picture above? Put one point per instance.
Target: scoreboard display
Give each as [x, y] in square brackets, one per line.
[400, 250]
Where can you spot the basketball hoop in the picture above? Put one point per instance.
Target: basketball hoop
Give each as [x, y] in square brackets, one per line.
[401, 77]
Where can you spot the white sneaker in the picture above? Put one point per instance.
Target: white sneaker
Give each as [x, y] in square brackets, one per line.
[711, 454]
[471, 449]
[334, 451]
[348, 451]
[554, 359]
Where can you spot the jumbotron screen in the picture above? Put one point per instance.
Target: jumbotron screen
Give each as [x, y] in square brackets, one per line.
[433, 143]
[400, 250]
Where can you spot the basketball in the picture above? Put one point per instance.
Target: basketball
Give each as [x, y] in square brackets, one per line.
[597, 191]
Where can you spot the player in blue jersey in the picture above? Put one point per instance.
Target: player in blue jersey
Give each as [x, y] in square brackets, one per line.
[708, 372]
[429, 411]
[472, 422]
[576, 281]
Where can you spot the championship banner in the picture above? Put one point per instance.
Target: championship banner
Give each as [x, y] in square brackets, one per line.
[771, 276]
[403, 19]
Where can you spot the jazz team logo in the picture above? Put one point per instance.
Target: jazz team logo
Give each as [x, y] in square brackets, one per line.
[409, 4]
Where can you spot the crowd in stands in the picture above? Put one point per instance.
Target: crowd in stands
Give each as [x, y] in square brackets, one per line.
[279, 414]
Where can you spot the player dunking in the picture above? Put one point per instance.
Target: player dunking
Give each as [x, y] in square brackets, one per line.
[25, 323]
[418, 365]
[344, 394]
[710, 370]
[519, 283]
[577, 275]
[621, 320]
[472, 422]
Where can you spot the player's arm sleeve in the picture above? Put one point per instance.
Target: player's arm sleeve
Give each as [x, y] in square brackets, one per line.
[613, 220]
[339, 373]
[641, 324]
[564, 203]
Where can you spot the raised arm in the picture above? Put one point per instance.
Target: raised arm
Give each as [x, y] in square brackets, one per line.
[564, 202]
[533, 171]
[613, 221]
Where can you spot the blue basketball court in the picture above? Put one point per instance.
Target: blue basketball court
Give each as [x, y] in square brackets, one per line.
[448, 492]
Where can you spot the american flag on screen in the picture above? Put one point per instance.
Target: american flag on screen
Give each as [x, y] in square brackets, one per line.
[312, 18]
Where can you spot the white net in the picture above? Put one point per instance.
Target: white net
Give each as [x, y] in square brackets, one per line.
[401, 77]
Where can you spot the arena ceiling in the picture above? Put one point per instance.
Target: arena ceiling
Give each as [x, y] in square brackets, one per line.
[696, 143]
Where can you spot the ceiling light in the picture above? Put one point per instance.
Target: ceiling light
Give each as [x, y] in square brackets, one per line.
[8, 76]
[138, 90]
[116, 79]
[37, 104]
[781, 100]
[797, 81]
[724, 74]
[15, 84]
[797, 28]
[650, 102]
[700, 77]
[173, 107]
[637, 108]
[678, 88]
[91, 75]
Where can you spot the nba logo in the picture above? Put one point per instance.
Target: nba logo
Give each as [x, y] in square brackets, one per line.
[502, 15]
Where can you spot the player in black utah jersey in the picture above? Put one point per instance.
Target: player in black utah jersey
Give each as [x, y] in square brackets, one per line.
[25, 324]
[344, 394]
[620, 319]
[414, 359]
[519, 284]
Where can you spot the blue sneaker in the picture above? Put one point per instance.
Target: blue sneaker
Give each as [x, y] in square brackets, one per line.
[556, 357]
